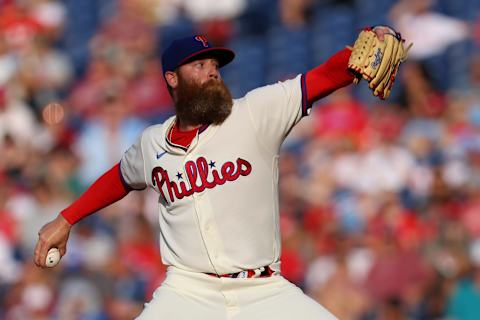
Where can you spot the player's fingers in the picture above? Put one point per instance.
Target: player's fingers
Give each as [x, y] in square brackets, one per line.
[53, 234]
[380, 35]
[39, 248]
[381, 31]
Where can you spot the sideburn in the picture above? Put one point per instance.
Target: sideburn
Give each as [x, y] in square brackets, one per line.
[199, 104]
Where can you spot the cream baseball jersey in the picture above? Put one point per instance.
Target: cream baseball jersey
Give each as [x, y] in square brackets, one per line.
[218, 199]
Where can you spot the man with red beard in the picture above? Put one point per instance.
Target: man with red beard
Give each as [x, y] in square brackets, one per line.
[215, 167]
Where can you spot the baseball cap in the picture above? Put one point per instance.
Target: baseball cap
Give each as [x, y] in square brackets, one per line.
[184, 50]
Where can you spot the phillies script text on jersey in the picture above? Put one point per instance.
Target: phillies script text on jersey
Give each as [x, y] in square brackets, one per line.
[229, 171]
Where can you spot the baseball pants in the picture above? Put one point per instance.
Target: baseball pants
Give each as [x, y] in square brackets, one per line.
[187, 295]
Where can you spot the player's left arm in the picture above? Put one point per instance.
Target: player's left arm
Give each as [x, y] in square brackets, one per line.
[275, 109]
[328, 77]
[337, 71]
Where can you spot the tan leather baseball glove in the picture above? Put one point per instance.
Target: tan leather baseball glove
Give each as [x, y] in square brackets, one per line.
[377, 60]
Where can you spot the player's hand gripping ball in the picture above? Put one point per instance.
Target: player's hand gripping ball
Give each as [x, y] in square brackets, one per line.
[376, 56]
[53, 257]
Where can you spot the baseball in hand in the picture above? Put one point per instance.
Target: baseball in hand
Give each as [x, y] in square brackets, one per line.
[53, 257]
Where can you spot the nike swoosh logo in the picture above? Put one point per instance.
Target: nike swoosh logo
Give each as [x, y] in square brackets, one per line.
[159, 155]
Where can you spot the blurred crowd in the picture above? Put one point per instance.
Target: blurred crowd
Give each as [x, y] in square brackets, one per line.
[380, 200]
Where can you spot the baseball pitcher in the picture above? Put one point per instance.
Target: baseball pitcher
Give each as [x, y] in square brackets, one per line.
[214, 166]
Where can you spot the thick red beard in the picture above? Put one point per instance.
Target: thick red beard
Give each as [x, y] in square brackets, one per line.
[199, 104]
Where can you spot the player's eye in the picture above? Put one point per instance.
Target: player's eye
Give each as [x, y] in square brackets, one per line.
[215, 63]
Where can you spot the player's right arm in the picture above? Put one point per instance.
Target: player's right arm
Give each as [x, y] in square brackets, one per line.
[107, 189]
[112, 186]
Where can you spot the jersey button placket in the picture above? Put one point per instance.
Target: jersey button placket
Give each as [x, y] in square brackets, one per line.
[209, 230]
[204, 219]
[207, 226]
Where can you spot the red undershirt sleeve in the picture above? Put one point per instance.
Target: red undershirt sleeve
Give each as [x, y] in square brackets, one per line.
[107, 189]
[329, 76]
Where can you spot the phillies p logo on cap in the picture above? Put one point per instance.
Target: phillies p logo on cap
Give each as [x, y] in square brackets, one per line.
[202, 39]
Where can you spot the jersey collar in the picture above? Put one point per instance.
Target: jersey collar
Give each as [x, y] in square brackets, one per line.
[175, 148]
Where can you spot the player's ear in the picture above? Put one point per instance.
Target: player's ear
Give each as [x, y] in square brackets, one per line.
[171, 78]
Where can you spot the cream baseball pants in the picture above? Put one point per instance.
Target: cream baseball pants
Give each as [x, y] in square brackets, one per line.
[187, 295]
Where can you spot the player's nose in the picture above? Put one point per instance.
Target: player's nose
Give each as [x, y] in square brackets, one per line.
[213, 73]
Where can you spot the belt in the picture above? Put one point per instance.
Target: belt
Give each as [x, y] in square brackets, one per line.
[263, 272]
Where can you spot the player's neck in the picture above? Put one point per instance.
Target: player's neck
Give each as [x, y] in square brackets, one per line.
[186, 127]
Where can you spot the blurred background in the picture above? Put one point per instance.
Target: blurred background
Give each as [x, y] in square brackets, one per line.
[380, 201]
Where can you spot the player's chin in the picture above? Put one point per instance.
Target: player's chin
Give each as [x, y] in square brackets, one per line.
[219, 99]
[215, 111]
[221, 115]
